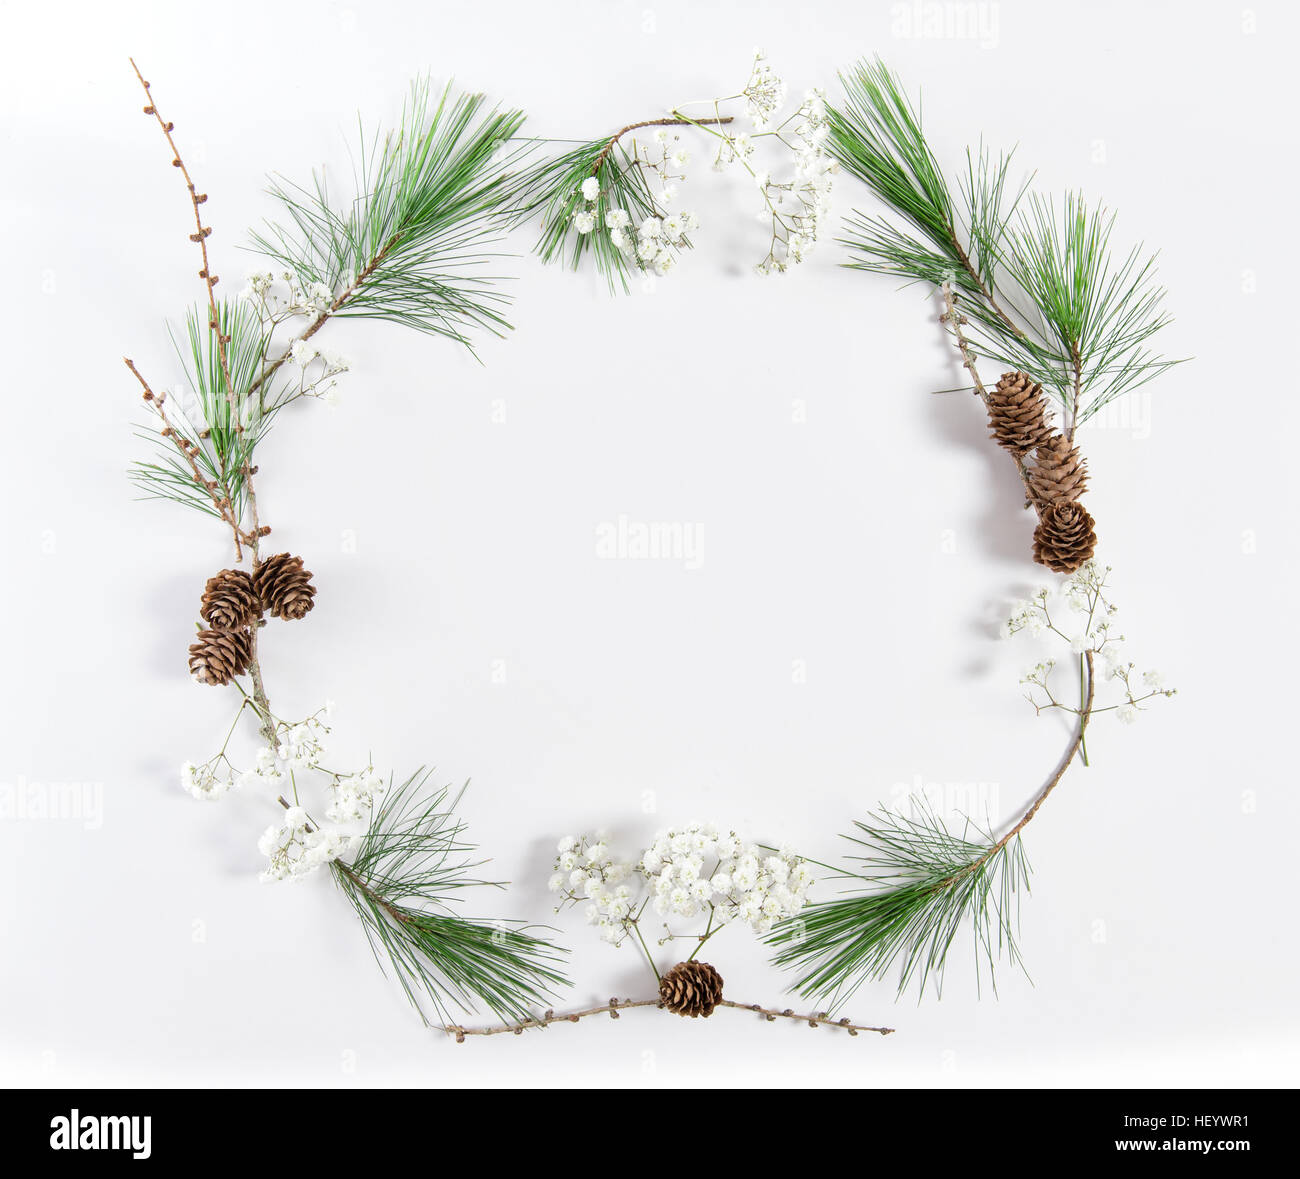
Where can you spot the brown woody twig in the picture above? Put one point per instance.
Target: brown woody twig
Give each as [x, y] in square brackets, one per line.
[615, 1005]
[954, 321]
[200, 237]
[673, 121]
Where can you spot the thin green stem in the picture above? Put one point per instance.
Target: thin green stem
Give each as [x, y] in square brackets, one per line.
[1083, 703]
[709, 931]
[636, 928]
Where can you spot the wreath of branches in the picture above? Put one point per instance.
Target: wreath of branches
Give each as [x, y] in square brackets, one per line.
[1026, 282]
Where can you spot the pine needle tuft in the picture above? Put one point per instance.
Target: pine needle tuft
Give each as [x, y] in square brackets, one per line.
[411, 244]
[411, 864]
[1034, 276]
[926, 884]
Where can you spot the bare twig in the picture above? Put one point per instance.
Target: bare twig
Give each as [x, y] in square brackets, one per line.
[200, 237]
[816, 1020]
[187, 449]
[673, 121]
[615, 1005]
[248, 538]
[1075, 747]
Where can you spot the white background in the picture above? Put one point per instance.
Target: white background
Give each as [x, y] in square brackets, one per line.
[878, 543]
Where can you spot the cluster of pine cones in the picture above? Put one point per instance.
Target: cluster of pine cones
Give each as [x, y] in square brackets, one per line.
[691, 988]
[234, 602]
[1056, 476]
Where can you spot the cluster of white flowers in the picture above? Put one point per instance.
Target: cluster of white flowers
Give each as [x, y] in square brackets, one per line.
[205, 782]
[1085, 626]
[697, 867]
[287, 295]
[276, 300]
[814, 170]
[796, 208]
[298, 844]
[301, 747]
[686, 873]
[304, 354]
[585, 872]
[764, 92]
[353, 795]
[652, 245]
[296, 848]
[266, 770]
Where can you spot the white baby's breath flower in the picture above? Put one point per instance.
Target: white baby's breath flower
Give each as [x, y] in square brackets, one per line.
[302, 353]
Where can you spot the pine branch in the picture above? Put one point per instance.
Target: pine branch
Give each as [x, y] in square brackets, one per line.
[925, 884]
[406, 873]
[430, 198]
[553, 187]
[1039, 289]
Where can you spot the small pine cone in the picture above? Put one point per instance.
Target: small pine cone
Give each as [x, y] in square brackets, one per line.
[217, 656]
[1064, 538]
[1017, 413]
[284, 587]
[691, 988]
[229, 601]
[1059, 473]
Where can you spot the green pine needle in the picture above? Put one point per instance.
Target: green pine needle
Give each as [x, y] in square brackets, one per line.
[210, 421]
[402, 882]
[1037, 285]
[553, 188]
[411, 245]
[926, 884]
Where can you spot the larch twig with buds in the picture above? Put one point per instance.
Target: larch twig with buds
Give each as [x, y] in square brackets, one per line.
[615, 1005]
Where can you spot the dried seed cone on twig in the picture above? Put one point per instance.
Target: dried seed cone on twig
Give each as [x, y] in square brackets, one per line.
[1059, 472]
[284, 587]
[1017, 413]
[229, 601]
[691, 988]
[217, 656]
[1064, 538]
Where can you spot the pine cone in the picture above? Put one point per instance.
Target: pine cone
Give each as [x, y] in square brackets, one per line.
[217, 656]
[284, 587]
[1059, 474]
[1017, 413]
[1064, 538]
[691, 988]
[229, 601]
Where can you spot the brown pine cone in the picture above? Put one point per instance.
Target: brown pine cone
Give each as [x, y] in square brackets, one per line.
[1017, 413]
[217, 656]
[229, 601]
[691, 988]
[283, 586]
[1059, 473]
[1064, 538]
